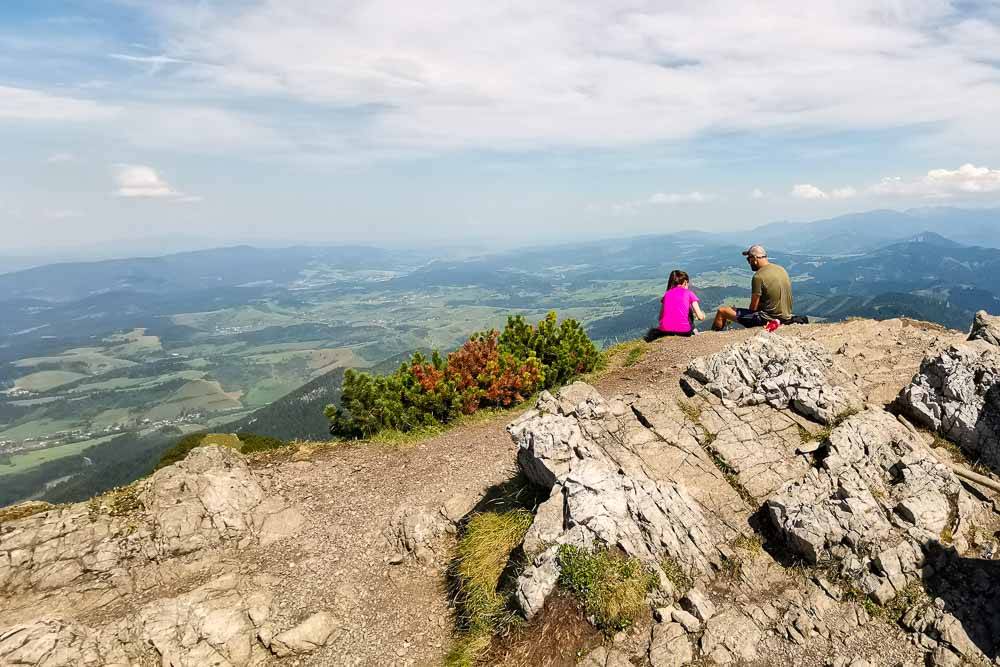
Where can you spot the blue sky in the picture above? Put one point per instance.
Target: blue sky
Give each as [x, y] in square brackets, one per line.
[484, 122]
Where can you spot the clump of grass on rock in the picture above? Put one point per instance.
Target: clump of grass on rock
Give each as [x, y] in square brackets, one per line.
[611, 585]
[483, 555]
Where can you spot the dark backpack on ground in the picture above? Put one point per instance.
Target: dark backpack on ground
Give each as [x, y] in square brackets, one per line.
[797, 319]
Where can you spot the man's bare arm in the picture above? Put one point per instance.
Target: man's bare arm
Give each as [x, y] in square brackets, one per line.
[755, 303]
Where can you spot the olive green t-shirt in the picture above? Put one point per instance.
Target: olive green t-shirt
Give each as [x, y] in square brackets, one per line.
[771, 282]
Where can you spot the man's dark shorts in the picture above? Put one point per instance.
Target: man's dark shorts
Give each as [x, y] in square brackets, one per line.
[751, 319]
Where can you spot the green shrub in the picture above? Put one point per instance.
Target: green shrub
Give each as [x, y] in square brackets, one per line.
[611, 585]
[564, 350]
[490, 370]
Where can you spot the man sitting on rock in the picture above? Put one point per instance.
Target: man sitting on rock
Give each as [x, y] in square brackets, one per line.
[770, 296]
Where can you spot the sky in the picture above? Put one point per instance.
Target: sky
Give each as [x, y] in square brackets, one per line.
[474, 121]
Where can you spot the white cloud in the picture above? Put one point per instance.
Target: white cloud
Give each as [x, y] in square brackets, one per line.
[808, 191]
[757, 193]
[141, 181]
[967, 180]
[844, 193]
[57, 158]
[680, 198]
[617, 73]
[25, 104]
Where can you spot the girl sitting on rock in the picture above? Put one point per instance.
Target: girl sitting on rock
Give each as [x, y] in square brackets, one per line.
[678, 309]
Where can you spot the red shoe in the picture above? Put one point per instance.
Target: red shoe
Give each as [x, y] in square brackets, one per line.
[772, 326]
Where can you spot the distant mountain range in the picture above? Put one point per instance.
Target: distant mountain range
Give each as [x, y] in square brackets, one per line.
[862, 232]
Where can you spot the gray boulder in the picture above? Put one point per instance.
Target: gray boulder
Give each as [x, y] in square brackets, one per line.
[307, 636]
[413, 532]
[669, 646]
[986, 327]
[779, 371]
[957, 394]
[731, 636]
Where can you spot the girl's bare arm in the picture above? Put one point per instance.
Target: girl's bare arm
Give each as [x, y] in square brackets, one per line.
[697, 311]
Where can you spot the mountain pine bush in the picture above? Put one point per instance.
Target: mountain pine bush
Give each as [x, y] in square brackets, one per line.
[491, 369]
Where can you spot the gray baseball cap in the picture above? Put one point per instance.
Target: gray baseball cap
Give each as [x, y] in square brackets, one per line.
[755, 251]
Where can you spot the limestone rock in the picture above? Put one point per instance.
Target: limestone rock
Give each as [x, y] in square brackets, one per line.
[548, 523]
[735, 632]
[609, 496]
[669, 646]
[457, 506]
[305, 637]
[413, 531]
[54, 642]
[876, 498]
[575, 399]
[777, 371]
[208, 499]
[211, 625]
[986, 327]
[698, 604]
[605, 657]
[688, 620]
[537, 582]
[957, 394]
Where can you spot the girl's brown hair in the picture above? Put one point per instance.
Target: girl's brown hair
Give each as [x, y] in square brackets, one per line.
[677, 278]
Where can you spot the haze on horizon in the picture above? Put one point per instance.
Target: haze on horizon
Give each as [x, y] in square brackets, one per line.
[379, 122]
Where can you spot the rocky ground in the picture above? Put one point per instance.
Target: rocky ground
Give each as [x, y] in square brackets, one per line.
[820, 529]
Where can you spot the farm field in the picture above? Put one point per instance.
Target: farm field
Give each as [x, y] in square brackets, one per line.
[211, 348]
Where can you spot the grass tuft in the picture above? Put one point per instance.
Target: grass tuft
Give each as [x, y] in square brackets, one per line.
[24, 510]
[467, 650]
[751, 544]
[692, 412]
[677, 575]
[119, 501]
[483, 554]
[634, 355]
[728, 471]
[611, 585]
[824, 433]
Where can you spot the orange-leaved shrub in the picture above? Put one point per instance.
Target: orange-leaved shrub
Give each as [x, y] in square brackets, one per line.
[491, 369]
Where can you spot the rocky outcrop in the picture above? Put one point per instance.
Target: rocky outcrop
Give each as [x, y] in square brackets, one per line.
[120, 547]
[986, 327]
[957, 394]
[780, 372]
[864, 499]
[206, 500]
[215, 624]
[578, 444]
[224, 622]
[55, 642]
[877, 496]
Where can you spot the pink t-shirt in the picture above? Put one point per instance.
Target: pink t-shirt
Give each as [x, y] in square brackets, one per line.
[676, 316]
